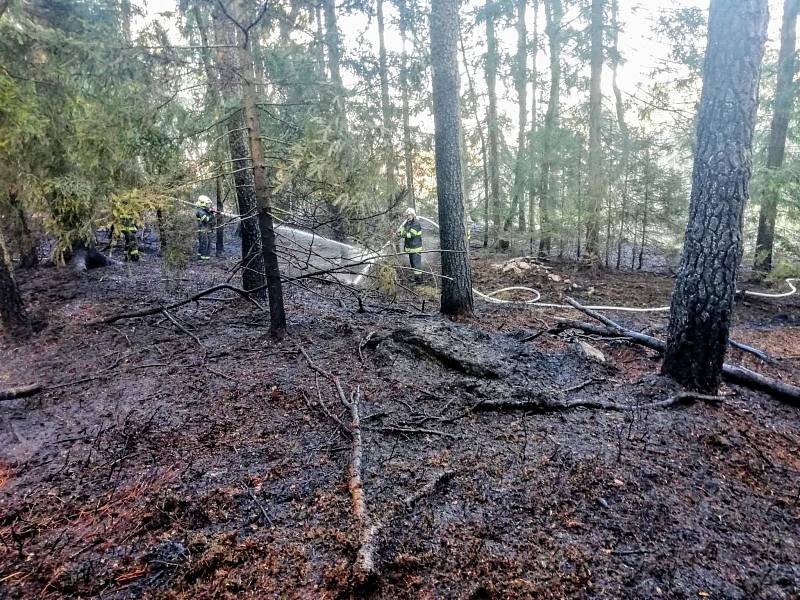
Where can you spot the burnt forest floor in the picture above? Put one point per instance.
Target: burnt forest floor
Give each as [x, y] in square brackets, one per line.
[175, 467]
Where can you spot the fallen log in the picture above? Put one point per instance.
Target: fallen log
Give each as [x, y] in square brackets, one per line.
[732, 373]
[565, 324]
[22, 391]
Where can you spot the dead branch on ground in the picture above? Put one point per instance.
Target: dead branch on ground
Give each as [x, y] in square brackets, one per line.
[732, 373]
[364, 567]
[21, 391]
[546, 405]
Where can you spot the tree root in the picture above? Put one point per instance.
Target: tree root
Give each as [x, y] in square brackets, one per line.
[732, 373]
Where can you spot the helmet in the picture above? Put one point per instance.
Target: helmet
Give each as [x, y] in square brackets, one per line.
[203, 202]
[410, 212]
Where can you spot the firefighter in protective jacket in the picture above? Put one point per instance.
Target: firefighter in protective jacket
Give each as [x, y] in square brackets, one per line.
[128, 230]
[411, 232]
[205, 225]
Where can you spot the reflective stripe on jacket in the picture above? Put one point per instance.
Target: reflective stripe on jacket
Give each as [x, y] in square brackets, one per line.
[411, 231]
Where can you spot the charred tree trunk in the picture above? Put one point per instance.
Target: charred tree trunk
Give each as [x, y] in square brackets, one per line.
[595, 149]
[785, 94]
[553, 13]
[702, 302]
[521, 85]
[492, 60]
[386, 108]
[12, 310]
[457, 283]
[263, 196]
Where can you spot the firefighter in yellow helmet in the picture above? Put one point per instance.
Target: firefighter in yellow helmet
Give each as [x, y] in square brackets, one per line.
[411, 232]
[205, 226]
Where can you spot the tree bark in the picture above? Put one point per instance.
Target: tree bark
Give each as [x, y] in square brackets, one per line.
[553, 13]
[521, 85]
[474, 100]
[457, 282]
[12, 310]
[492, 60]
[386, 108]
[229, 84]
[334, 48]
[263, 195]
[220, 243]
[407, 145]
[27, 245]
[645, 208]
[702, 302]
[623, 126]
[532, 134]
[785, 94]
[595, 148]
[333, 44]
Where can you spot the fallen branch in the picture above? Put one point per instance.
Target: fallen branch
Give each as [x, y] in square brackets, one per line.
[428, 488]
[545, 405]
[364, 567]
[408, 430]
[732, 373]
[754, 351]
[22, 391]
[180, 326]
[247, 295]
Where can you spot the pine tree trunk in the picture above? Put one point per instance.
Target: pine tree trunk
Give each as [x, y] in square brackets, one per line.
[785, 94]
[220, 245]
[474, 100]
[457, 282]
[27, 245]
[521, 85]
[333, 44]
[595, 148]
[334, 48]
[702, 302]
[532, 134]
[492, 60]
[12, 310]
[263, 194]
[407, 145]
[645, 209]
[623, 212]
[553, 13]
[386, 108]
[229, 84]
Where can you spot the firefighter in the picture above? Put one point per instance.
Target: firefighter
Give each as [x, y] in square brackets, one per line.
[411, 232]
[205, 225]
[128, 230]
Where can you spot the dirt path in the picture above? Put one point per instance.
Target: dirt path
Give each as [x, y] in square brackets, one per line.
[189, 471]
